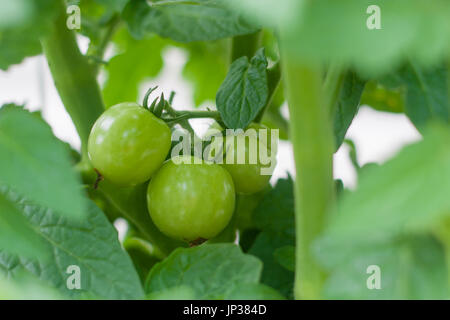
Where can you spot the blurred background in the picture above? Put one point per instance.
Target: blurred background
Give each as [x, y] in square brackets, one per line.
[377, 135]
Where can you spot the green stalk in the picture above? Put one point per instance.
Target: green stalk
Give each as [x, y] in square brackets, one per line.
[310, 131]
[448, 81]
[447, 260]
[332, 86]
[75, 78]
[245, 45]
[132, 205]
[442, 232]
[273, 80]
[129, 203]
[97, 50]
[184, 115]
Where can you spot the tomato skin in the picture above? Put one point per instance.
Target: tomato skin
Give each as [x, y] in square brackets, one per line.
[259, 126]
[128, 144]
[191, 201]
[247, 176]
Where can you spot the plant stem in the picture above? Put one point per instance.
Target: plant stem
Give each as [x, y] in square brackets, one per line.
[171, 2]
[98, 50]
[75, 78]
[184, 115]
[310, 131]
[273, 80]
[132, 205]
[275, 117]
[332, 86]
[245, 45]
[442, 232]
[447, 261]
[184, 123]
[129, 203]
[448, 81]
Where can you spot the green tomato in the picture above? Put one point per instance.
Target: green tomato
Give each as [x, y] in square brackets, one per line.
[191, 201]
[242, 160]
[248, 176]
[128, 144]
[267, 140]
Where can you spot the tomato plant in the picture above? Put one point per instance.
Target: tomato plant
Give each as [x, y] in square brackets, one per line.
[210, 228]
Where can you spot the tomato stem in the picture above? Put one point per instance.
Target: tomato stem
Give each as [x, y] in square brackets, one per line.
[74, 77]
[448, 81]
[245, 45]
[310, 130]
[442, 232]
[131, 204]
[97, 49]
[171, 2]
[332, 86]
[184, 115]
[273, 80]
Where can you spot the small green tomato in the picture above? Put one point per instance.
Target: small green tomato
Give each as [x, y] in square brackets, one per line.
[242, 157]
[191, 201]
[128, 144]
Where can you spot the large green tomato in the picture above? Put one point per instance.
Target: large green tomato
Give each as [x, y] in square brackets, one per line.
[191, 201]
[128, 144]
[248, 176]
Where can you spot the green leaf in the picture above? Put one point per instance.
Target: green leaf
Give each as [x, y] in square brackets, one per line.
[200, 20]
[426, 95]
[211, 270]
[36, 164]
[275, 217]
[274, 274]
[409, 193]
[247, 238]
[385, 222]
[27, 288]
[143, 254]
[138, 61]
[22, 24]
[116, 5]
[421, 93]
[14, 13]
[92, 245]
[16, 234]
[94, 18]
[326, 30]
[347, 105]
[254, 291]
[379, 97]
[203, 58]
[409, 268]
[245, 206]
[285, 256]
[244, 91]
[175, 293]
[275, 213]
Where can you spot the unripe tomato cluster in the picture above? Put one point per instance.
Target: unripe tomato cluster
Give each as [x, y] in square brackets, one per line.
[128, 145]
